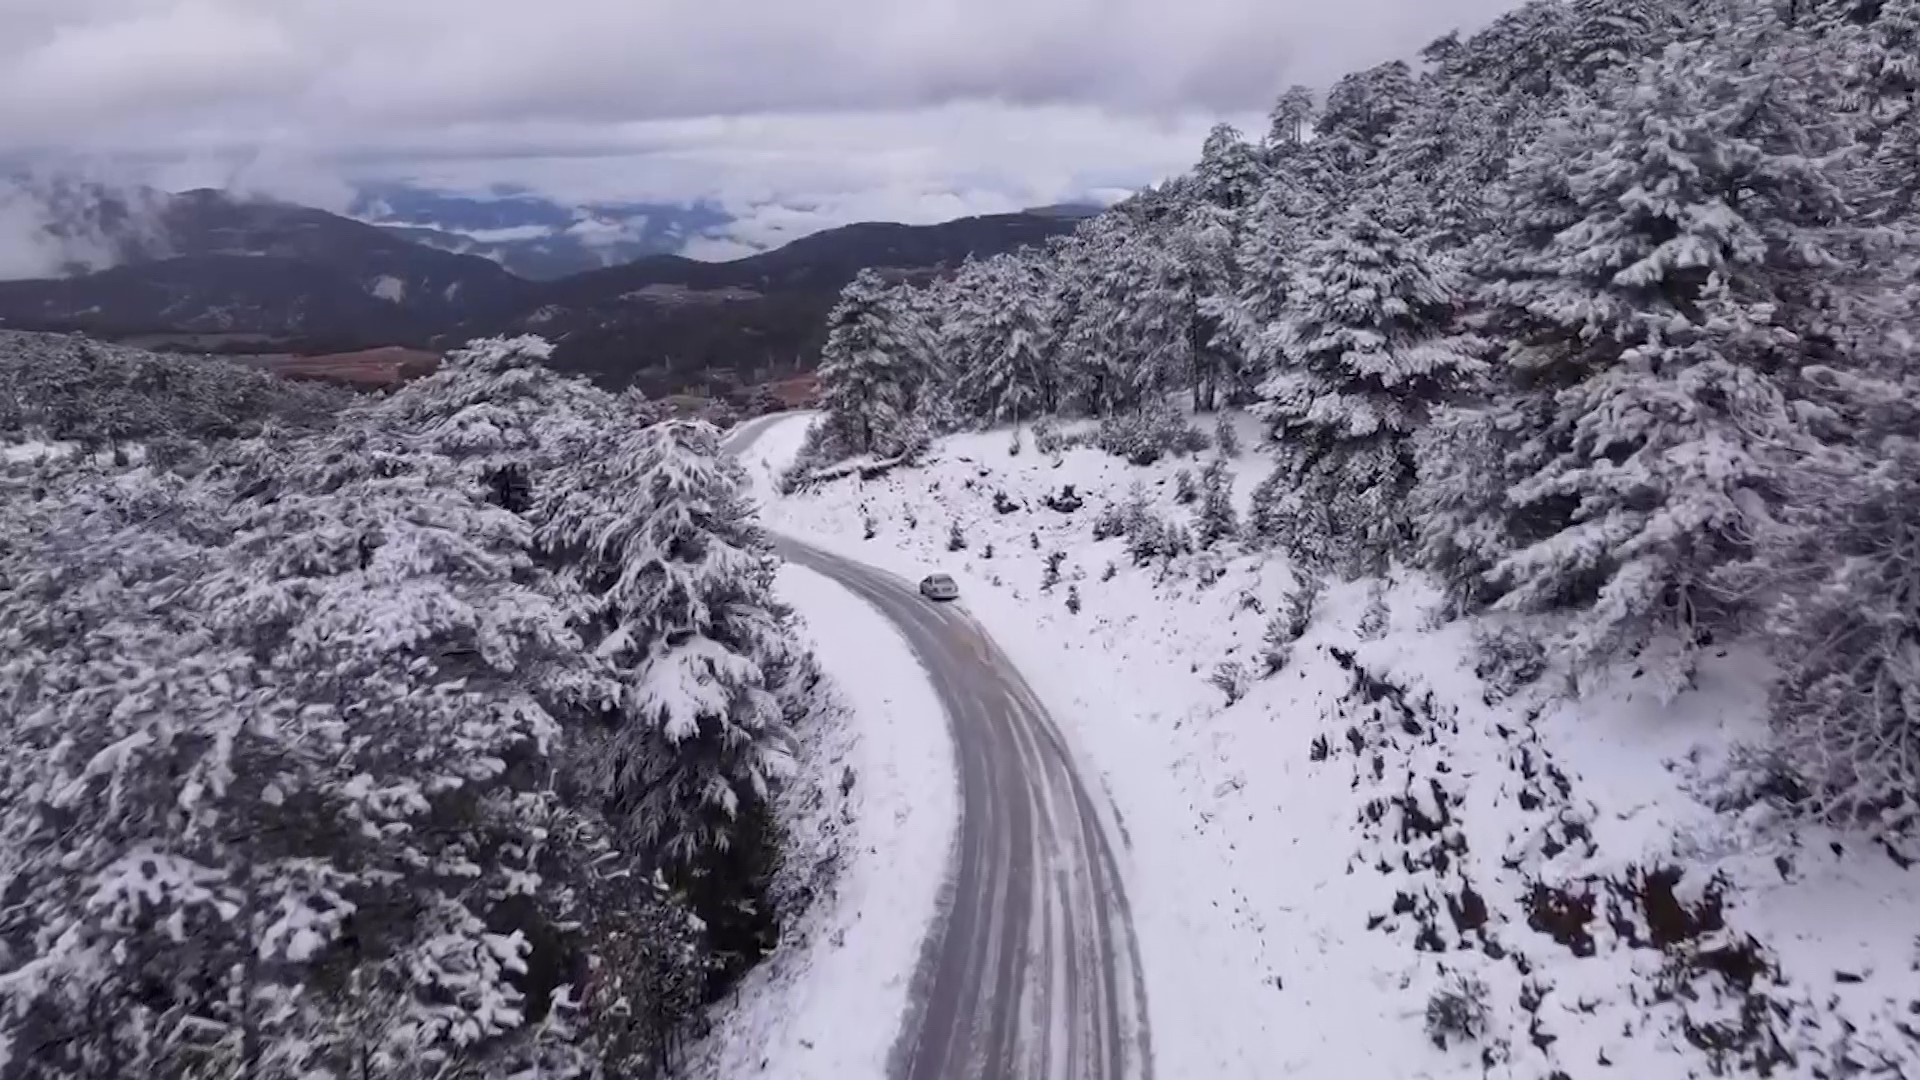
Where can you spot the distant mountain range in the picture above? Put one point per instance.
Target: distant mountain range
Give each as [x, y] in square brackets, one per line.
[533, 236]
[207, 271]
[681, 323]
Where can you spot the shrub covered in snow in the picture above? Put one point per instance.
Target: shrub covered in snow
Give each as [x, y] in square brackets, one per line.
[1232, 679]
[1374, 618]
[1154, 431]
[1048, 439]
[1216, 519]
[1225, 439]
[1457, 1011]
[1508, 657]
[1184, 489]
[1289, 624]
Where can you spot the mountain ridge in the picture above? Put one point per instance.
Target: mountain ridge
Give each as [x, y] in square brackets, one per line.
[207, 271]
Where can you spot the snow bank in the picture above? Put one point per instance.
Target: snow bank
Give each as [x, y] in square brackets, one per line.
[24, 452]
[1371, 866]
[828, 1003]
[34, 451]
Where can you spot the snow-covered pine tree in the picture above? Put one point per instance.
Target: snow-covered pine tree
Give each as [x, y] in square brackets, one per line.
[406, 624]
[1368, 350]
[1518, 54]
[1068, 287]
[677, 580]
[1005, 323]
[277, 790]
[1651, 336]
[1206, 242]
[1100, 357]
[918, 315]
[1229, 175]
[1165, 326]
[1360, 113]
[1216, 520]
[1885, 81]
[1289, 121]
[1443, 156]
[872, 369]
[1273, 232]
[1846, 627]
[497, 409]
[1605, 37]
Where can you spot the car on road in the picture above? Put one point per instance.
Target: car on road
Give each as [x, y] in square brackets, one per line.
[938, 587]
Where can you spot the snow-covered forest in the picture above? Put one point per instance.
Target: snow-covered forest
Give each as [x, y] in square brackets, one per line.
[432, 735]
[1603, 317]
[111, 399]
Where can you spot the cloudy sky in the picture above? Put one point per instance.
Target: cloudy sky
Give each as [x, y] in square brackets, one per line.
[838, 109]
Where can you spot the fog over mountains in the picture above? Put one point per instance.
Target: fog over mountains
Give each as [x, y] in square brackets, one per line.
[534, 236]
[55, 226]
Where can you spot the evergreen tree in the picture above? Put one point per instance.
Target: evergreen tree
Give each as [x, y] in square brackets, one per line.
[1206, 243]
[1448, 150]
[1360, 113]
[1886, 84]
[1102, 352]
[1290, 120]
[677, 604]
[1228, 175]
[1216, 519]
[872, 369]
[1611, 36]
[1367, 352]
[1249, 318]
[1651, 334]
[1165, 326]
[496, 408]
[1846, 627]
[294, 820]
[1004, 328]
[1517, 56]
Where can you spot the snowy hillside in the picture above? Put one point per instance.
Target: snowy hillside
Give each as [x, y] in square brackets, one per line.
[1379, 851]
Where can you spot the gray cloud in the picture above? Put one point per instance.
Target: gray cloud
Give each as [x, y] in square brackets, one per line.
[856, 107]
[243, 69]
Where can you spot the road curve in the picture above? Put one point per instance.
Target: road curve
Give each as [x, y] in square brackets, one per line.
[1031, 969]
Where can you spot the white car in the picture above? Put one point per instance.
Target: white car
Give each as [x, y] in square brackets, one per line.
[938, 587]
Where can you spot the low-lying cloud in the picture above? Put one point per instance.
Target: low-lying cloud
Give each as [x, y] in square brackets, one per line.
[852, 108]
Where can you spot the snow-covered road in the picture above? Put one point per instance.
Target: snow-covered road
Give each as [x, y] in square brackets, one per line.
[1031, 968]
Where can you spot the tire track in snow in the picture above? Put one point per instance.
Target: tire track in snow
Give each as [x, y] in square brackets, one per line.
[1031, 970]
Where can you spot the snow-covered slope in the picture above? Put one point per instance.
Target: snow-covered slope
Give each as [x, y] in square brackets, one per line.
[1371, 864]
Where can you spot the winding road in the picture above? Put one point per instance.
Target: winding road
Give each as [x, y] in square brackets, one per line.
[1031, 969]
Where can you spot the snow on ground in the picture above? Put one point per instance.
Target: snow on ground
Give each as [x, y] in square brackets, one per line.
[33, 451]
[879, 787]
[1370, 834]
[773, 450]
[21, 453]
